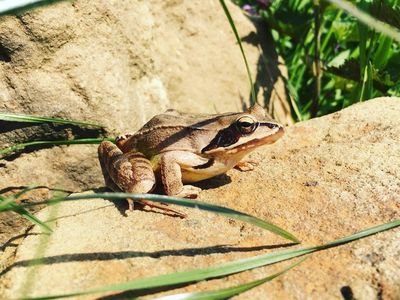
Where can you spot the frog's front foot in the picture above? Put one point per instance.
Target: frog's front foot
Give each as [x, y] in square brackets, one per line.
[189, 191]
[121, 139]
[246, 165]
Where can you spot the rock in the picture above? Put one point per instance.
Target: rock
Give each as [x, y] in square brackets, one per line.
[117, 64]
[325, 179]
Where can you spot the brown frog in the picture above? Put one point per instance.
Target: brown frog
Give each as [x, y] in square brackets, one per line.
[178, 148]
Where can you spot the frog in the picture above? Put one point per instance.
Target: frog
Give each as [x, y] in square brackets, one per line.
[175, 149]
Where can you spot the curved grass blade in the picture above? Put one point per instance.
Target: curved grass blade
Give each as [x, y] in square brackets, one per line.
[4, 116]
[370, 21]
[228, 15]
[8, 205]
[20, 6]
[27, 215]
[15, 196]
[229, 292]
[9, 150]
[227, 268]
[230, 213]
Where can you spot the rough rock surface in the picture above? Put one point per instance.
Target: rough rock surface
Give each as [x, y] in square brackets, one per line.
[325, 179]
[116, 63]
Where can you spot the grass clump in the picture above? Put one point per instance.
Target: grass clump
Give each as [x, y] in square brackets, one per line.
[337, 53]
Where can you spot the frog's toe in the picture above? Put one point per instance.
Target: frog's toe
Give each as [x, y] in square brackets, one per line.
[247, 165]
[189, 191]
[123, 137]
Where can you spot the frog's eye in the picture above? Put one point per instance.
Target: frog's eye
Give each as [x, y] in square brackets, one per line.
[246, 125]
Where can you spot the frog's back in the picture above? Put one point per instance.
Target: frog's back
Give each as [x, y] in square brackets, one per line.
[173, 118]
[174, 130]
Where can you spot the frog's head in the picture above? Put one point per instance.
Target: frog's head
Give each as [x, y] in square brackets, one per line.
[243, 132]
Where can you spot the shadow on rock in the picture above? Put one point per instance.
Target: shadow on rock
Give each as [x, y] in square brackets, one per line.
[105, 256]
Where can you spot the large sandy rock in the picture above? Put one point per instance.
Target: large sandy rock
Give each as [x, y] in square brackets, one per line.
[325, 179]
[116, 63]
[119, 62]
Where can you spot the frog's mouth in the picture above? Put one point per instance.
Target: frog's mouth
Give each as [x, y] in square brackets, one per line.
[255, 142]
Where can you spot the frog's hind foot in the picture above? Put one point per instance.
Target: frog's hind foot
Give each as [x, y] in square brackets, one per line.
[162, 206]
[189, 191]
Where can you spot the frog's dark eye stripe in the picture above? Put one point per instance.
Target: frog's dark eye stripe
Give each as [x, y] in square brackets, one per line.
[224, 138]
[270, 125]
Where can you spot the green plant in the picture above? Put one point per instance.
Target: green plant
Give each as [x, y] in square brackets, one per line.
[365, 87]
[225, 269]
[17, 7]
[335, 57]
[9, 203]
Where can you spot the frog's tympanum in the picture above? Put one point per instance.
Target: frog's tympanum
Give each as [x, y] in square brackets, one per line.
[177, 148]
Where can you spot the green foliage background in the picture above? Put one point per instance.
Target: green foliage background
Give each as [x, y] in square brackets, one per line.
[355, 63]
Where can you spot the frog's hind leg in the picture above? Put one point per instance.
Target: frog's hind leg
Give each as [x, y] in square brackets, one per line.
[128, 172]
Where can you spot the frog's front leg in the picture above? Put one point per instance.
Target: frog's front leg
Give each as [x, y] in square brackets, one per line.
[171, 164]
[128, 172]
[122, 139]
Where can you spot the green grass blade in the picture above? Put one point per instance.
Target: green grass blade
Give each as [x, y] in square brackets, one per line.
[368, 20]
[229, 292]
[361, 234]
[27, 215]
[228, 15]
[4, 116]
[230, 213]
[328, 36]
[383, 53]
[8, 205]
[19, 6]
[227, 268]
[9, 150]
[24, 191]
[14, 197]
[366, 88]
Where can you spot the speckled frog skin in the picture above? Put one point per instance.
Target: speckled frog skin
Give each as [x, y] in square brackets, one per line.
[177, 148]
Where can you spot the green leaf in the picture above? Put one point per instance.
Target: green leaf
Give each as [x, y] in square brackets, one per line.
[345, 30]
[9, 150]
[382, 55]
[229, 292]
[339, 59]
[386, 11]
[289, 19]
[7, 204]
[228, 15]
[19, 6]
[15, 196]
[4, 116]
[368, 20]
[366, 87]
[230, 213]
[225, 269]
